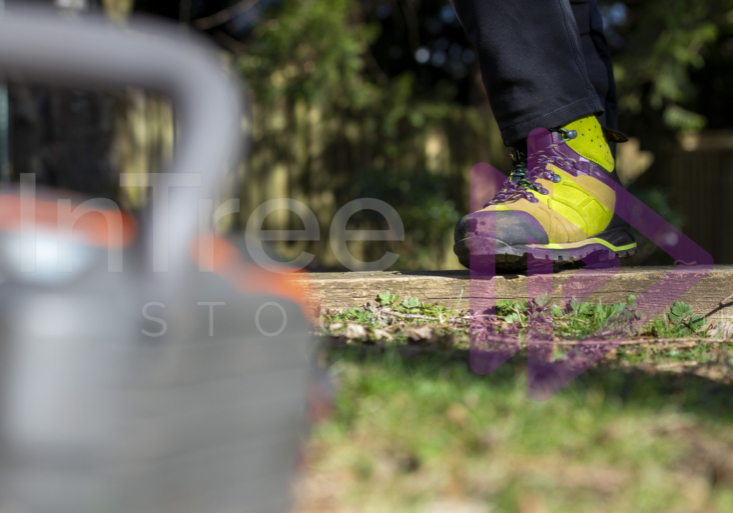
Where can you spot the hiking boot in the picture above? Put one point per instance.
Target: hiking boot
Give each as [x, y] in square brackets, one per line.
[560, 208]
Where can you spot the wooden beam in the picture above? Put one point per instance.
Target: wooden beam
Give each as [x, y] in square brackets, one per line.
[456, 289]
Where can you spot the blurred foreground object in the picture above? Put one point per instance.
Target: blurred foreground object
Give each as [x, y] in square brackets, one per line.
[124, 389]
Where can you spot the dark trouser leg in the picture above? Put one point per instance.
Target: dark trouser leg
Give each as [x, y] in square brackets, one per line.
[540, 66]
[597, 58]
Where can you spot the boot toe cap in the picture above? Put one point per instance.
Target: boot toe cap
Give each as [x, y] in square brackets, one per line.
[508, 226]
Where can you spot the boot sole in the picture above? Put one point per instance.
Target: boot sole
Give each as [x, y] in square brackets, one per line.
[483, 254]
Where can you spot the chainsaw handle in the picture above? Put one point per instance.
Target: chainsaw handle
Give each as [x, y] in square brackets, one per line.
[87, 50]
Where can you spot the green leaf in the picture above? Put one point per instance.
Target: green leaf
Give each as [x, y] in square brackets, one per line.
[679, 312]
[504, 307]
[384, 298]
[543, 299]
[601, 313]
[697, 322]
[515, 317]
[585, 308]
[616, 309]
[412, 302]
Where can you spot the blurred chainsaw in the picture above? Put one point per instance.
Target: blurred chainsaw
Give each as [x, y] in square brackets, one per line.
[141, 371]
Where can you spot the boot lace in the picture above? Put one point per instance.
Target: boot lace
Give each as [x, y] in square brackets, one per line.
[521, 182]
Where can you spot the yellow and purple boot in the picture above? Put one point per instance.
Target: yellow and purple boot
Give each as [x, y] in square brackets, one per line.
[560, 208]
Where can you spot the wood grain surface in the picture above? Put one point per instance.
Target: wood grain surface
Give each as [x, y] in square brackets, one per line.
[655, 286]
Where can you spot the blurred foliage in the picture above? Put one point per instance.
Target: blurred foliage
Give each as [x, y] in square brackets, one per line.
[382, 98]
[311, 52]
[664, 41]
[387, 77]
[648, 253]
[661, 50]
[343, 129]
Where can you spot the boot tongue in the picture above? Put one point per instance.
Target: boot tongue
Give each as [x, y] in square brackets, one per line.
[520, 146]
[519, 157]
[539, 139]
[516, 186]
[590, 142]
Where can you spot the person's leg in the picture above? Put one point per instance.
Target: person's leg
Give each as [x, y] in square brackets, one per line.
[597, 60]
[542, 61]
[546, 66]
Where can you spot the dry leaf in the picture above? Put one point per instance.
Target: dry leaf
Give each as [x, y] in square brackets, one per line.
[419, 333]
[721, 329]
[382, 334]
[355, 331]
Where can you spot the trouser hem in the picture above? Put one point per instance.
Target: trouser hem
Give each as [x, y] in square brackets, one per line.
[554, 119]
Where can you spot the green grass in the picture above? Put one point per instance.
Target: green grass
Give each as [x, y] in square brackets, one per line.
[649, 428]
[415, 434]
